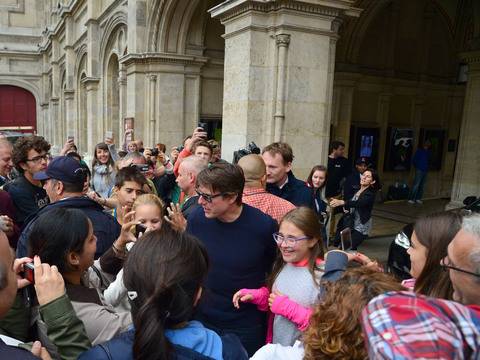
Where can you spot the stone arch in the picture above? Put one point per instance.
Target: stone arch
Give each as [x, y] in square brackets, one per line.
[113, 46]
[354, 32]
[169, 24]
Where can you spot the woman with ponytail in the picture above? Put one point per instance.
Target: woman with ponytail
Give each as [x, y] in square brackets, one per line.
[163, 274]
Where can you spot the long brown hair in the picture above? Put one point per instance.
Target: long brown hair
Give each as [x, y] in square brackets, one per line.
[435, 232]
[317, 168]
[305, 220]
[335, 331]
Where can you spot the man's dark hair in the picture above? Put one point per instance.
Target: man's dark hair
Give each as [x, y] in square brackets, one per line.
[334, 145]
[224, 178]
[23, 145]
[71, 187]
[281, 148]
[129, 173]
[203, 143]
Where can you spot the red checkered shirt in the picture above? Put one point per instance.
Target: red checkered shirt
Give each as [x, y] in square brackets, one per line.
[270, 204]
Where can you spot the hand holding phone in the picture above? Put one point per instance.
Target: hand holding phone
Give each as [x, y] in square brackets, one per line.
[29, 272]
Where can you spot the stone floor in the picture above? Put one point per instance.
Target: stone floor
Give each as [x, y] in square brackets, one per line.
[389, 218]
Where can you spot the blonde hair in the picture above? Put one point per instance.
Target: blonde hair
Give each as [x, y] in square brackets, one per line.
[149, 199]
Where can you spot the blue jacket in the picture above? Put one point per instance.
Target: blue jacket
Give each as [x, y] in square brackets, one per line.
[121, 348]
[421, 159]
[295, 191]
[105, 227]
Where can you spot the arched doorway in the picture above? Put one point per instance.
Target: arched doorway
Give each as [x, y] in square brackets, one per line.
[17, 109]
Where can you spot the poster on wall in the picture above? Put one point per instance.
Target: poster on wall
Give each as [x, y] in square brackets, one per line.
[364, 143]
[399, 149]
[437, 139]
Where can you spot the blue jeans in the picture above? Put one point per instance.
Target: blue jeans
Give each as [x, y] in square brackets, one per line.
[418, 185]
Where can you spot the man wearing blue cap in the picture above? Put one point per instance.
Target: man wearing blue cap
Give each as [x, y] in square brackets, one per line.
[63, 180]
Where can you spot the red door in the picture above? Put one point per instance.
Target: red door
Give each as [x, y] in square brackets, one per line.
[17, 109]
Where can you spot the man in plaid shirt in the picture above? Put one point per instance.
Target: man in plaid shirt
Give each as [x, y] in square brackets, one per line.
[409, 326]
[254, 193]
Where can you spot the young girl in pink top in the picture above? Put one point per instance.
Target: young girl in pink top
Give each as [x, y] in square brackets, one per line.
[293, 287]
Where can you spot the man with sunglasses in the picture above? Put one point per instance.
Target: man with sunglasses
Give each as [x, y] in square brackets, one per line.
[463, 262]
[30, 155]
[238, 239]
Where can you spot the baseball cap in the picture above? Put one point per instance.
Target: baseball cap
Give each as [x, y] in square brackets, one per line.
[63, 168]
[361, 160]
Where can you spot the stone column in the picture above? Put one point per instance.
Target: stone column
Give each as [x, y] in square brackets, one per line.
[94, 127]
[383, 110]
[137, 26]
[266, 83]
[122, 104]
[152, 109]
[342, 112]
[467, 170]
[282, 41]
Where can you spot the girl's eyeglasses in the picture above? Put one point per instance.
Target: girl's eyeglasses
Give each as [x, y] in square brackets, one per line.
[289, 240]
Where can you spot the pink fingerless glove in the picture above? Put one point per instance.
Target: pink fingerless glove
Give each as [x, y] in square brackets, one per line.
[294, 312]
[260, 297]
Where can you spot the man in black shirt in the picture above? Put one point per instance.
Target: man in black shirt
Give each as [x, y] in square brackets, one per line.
[338, 169]
[30, 155]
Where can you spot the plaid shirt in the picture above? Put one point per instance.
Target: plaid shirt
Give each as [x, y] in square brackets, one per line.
[403, 325]
[270, 204]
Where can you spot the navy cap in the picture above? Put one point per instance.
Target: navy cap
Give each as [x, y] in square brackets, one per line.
[63, 168]
[362, 160]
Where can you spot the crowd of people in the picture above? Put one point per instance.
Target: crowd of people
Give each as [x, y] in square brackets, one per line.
[144, 255]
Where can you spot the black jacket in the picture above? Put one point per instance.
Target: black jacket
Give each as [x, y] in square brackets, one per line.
[105, 227]
[364, 204]
[295, 191]
[351, 185]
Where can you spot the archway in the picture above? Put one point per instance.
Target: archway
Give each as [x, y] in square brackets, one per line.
[17, 109]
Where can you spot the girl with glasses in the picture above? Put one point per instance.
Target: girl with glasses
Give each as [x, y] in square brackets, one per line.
[293, 287]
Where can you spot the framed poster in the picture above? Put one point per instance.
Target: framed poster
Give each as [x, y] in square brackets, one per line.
[364, 142]
[398, 152]
[437, 139]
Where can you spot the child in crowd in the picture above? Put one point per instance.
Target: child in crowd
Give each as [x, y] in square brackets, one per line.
[65, 238]
[335, 330]
[147, 211]
[164, 274]
[293, 286]
[428, 247]
[103, 170]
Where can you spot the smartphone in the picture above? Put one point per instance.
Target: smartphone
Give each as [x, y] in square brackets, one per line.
[108, 135]
[346, 239]
[142, 167]
[140, 229]
[28, 272]
[71, 138]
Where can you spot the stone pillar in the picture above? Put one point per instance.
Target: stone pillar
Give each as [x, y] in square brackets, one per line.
[383, 111]
[122, 104]
[137, 26]
[94, 127]
[272, 91]
[282, 41]
[152, 109]
[70, 113]
[467, 170]
[342, 112]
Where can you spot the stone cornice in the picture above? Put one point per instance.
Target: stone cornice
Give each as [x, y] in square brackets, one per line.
[232, 8]
[159, 58]
[90, 80]
[471, 57]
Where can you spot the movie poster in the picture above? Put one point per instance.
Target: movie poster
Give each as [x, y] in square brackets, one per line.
[399, 149]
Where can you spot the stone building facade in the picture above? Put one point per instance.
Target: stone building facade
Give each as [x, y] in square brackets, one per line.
[301, 71]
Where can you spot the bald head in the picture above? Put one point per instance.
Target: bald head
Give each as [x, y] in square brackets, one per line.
[254, 170]
[194, 164]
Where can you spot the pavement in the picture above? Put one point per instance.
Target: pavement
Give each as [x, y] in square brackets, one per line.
[389, 218]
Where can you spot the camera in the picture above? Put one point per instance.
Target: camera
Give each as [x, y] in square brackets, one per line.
[251, 148]
[154, 152]
[142, 167]
[140, 229]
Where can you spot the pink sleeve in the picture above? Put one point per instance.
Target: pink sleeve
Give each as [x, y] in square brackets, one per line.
[294, 312]
[260, 297]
